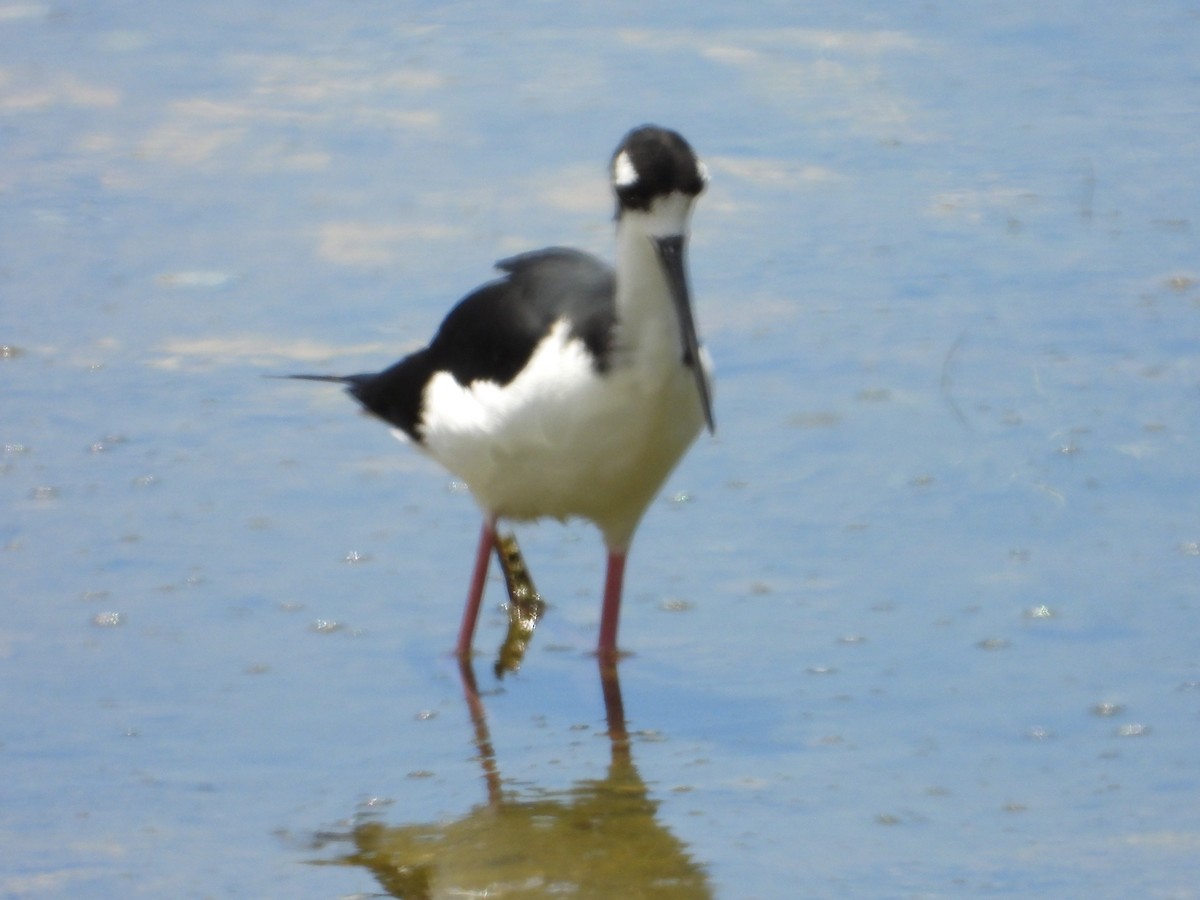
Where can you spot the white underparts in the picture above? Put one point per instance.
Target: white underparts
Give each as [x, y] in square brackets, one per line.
[561, 439]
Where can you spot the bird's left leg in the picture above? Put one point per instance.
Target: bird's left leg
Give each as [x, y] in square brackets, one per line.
[610, 613]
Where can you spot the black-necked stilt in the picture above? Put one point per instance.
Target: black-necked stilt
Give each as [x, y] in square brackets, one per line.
[564, 389]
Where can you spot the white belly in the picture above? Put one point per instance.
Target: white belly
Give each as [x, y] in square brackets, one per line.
[561, 440]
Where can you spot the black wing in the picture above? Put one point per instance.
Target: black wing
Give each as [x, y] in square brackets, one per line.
[491, 334]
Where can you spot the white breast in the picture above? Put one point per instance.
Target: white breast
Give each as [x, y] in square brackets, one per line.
[562, 440]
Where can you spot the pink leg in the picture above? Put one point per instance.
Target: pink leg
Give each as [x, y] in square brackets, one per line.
[611, 612]
[483, 555]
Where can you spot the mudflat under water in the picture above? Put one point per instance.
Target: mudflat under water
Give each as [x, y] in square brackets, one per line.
[922, 619]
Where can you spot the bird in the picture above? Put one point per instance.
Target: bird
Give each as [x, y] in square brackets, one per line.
[566, 388]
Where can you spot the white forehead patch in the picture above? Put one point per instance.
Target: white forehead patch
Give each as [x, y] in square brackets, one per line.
[624, 174]
[703, 170]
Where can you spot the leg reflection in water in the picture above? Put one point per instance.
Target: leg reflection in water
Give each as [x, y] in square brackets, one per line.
[600, 838]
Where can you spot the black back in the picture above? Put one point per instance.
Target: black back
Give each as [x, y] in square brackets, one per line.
[492, 333]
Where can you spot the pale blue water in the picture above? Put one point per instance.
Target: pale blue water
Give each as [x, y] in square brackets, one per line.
[922, 621]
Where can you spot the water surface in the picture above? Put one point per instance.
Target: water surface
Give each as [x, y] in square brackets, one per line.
[921, 620]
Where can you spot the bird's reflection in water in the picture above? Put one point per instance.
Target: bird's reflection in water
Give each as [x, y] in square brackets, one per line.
[600, 838]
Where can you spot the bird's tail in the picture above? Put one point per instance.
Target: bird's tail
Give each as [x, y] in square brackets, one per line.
[336, 379]
[351, 381]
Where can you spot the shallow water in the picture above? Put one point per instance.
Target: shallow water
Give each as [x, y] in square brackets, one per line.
[921, 620]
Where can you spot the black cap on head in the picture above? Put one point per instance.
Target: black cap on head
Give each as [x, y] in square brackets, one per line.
[653, 162]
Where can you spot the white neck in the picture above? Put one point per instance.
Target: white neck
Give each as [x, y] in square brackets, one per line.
[647, 323]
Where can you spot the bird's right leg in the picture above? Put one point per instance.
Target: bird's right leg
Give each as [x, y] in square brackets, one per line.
[483, 556]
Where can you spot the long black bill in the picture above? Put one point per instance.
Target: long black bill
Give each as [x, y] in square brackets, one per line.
[672, 253]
